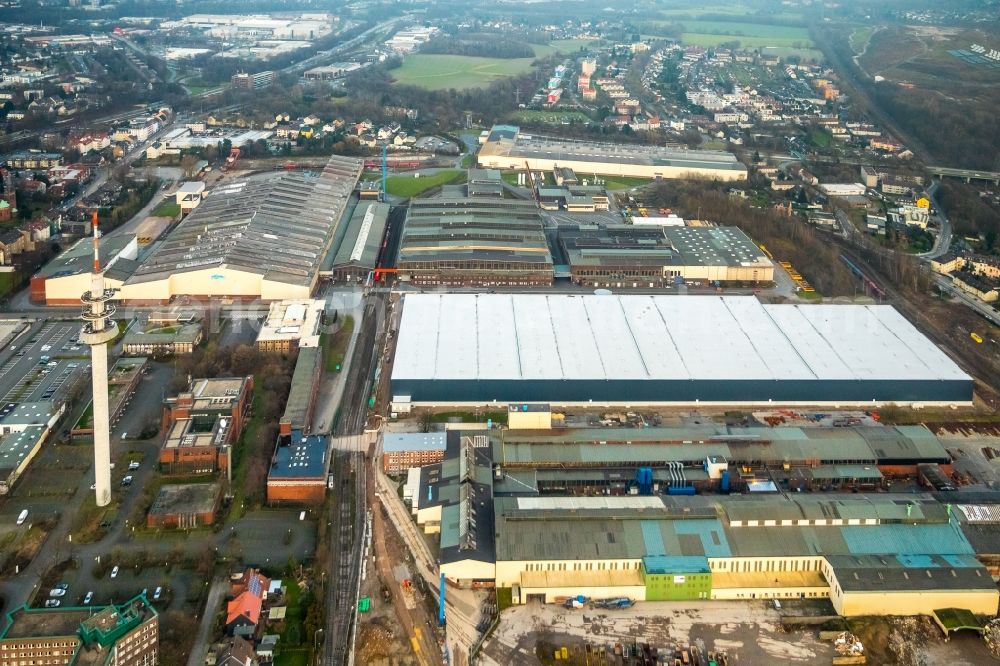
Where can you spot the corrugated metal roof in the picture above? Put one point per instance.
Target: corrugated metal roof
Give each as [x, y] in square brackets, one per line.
[534, 336]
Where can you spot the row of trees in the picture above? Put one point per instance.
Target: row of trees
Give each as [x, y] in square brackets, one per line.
[812, 252]
[272, 375]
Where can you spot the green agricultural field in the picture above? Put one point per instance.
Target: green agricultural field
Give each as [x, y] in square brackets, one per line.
[681, 13]
[788, 51]
[441, 72]
[748, 34]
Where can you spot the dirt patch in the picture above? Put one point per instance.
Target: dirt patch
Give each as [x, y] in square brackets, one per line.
[379, 644]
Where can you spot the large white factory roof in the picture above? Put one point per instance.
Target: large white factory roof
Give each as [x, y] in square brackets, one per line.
[612, 337]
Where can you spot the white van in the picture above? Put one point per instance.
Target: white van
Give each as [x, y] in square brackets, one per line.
[23, 516]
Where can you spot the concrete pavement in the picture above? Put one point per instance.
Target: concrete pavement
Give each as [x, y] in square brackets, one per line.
[218, 591]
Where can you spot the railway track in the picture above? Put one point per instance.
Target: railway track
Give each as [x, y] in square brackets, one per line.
[350, 482]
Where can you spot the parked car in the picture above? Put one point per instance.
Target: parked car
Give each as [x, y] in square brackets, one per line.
[127, 481]
[56, 592]
[133, 465]
[87, 599]
[114, 572]
[52, 603]
[156, 593]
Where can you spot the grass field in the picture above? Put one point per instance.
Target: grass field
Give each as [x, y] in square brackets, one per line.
[819, 137]
[679, 13]
[787, 51]
[8, 281]
[624, 182]
[337, 344]
[860, 37]
[167, 209]
[442, 72]
[408, 186]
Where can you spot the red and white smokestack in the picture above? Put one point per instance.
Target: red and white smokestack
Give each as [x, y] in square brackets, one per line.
[97, 244]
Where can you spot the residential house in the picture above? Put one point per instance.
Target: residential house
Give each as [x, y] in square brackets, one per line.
[12, 243]
[243, 612]
[237, 652]
[984, 265]
[976, 286]
[947, 263]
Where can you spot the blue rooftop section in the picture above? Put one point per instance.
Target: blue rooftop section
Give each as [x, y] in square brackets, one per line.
[917, 561]
[503, 132]
[651, 537]
[713, 537]
[303, 457]
[906, 540]
[675, 564]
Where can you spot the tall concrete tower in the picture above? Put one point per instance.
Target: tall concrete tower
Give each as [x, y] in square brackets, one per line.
[98, 330]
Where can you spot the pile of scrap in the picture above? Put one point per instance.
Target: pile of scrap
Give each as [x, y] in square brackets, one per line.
[849, 649]
[992, 636]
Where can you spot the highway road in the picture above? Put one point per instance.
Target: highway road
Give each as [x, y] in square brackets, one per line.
[981, 308]
[942, 241]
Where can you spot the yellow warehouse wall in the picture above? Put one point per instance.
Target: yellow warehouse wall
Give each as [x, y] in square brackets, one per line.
[980, 602]
[509, 572]
[233, 283]
[72, 287]
[770, 592]
[467, 570]
[633, 592]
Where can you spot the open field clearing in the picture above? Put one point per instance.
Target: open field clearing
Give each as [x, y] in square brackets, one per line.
[441, 72]
[748, 34]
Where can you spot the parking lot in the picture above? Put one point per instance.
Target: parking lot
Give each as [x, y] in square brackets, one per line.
[43, 363]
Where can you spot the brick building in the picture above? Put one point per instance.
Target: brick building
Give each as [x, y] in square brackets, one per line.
[117, 635]
[401, 451]
[298, 467]
[202, 424]
[185, 505]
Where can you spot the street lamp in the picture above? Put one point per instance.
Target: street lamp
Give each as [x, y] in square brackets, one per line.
[316, 645]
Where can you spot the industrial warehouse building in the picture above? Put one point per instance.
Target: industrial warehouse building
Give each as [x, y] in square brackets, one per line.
[359, 249]
[652, 256]
[507, 148]
[869, 554]
[474, 241]
[258, 239]
[66, 277]
[290, 325]
[604, 349]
